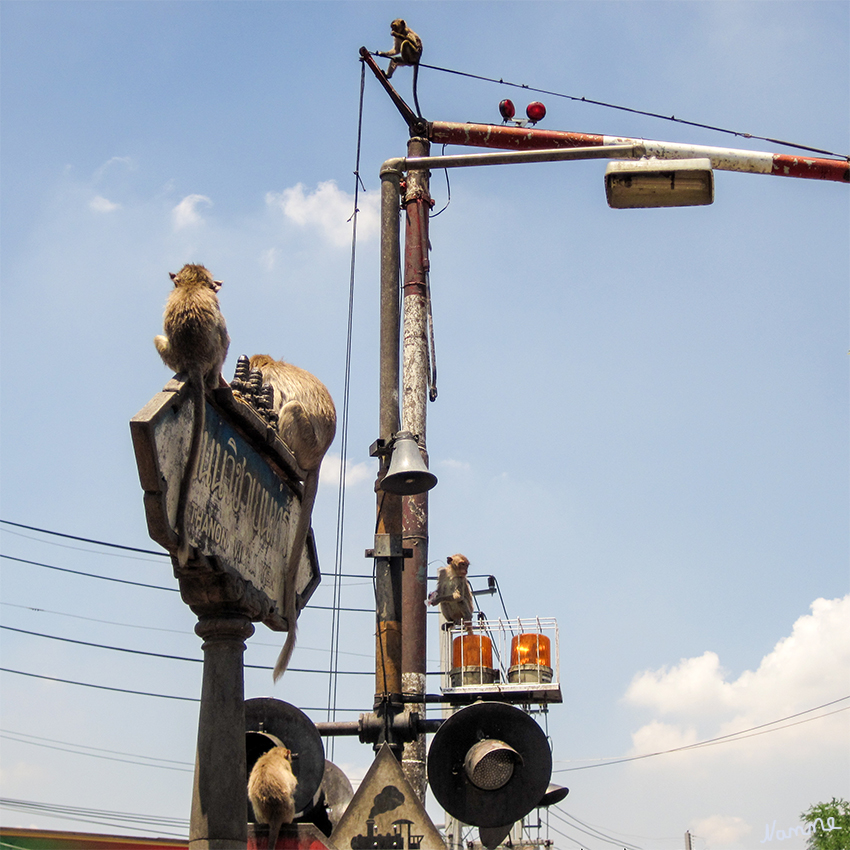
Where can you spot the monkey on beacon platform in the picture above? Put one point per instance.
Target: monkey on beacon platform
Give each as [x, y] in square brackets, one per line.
[271, 790]
[406, 50]
[195, 343]
[307, 424]
[453, 593]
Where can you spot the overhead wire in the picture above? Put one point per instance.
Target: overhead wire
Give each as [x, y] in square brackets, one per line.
[158, 553]
[103, 817]
[99, 752]
[149, 586]
[721, 739]
[88, 575]
[166, 656]
[645, 113]
[561, 815]
[157, 628]
[132, 692]
[333, 677]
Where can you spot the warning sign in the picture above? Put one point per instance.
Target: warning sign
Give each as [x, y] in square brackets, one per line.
[385, 813]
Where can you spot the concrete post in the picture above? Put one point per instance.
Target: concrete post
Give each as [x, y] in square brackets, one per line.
[218, 819]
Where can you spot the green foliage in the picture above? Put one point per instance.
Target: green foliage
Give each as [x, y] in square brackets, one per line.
[830, 825]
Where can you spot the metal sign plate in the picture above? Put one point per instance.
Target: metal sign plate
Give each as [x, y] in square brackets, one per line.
[245, 498]
[385, 813]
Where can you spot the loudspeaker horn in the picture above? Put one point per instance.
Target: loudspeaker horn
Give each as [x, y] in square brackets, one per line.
[407, 474]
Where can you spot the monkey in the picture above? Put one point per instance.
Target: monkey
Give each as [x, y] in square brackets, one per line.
[406, 50]
[271, 790]
[195, 343]
[453, 593]
[307, 424]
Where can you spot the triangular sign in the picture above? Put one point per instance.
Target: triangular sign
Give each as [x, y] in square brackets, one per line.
[385, 813]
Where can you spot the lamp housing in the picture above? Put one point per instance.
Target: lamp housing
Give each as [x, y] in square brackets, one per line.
[657, 182]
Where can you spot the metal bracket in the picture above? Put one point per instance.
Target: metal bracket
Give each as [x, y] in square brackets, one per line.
[389, 546]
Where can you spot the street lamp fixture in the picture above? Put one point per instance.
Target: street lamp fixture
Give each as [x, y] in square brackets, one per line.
[656, 182]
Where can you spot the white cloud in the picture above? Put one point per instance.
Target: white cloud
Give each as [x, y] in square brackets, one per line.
[719, 830]
[329, 210]
[658, 737]
[186, 214]
[460, 465]
[125, 161]
[355, 473]
[268, 259]
[806, 669]
[100, 204]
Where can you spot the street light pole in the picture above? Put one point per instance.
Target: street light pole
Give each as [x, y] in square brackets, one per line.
[417, 205]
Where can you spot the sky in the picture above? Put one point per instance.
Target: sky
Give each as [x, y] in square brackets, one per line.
[642, 420]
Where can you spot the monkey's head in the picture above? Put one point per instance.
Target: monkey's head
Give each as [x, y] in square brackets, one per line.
[398, 27]
[460, 563]
[193, 274]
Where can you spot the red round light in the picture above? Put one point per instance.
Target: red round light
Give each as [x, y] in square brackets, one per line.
[506, 109]
[535, 111]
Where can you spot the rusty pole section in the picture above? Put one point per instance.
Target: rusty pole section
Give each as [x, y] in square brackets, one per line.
[388, 533]
[417, 203]
[723, 159]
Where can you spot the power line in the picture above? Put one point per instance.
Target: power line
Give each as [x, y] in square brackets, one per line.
[158, 628]
[98, 687]
[730, 738]
[561, 814]
[98, 816]
[88, 575]
[67, 749]
[673, 118]
[135, 693]
[155, 586]
[169, 657]
[159, 554]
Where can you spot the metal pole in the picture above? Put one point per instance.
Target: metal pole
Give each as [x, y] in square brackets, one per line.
[388, 534]
[417, 203]
[723, 159]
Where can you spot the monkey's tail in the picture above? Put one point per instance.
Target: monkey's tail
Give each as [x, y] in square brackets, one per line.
[289, 604]
[274, 832]
[416, 90]
[196, 388]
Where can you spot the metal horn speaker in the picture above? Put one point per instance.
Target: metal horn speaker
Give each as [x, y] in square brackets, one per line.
[407, 474]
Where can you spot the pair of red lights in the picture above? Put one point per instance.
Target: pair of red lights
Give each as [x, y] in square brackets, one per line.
[535, 111]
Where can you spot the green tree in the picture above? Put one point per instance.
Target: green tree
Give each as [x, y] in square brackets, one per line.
[829, 824]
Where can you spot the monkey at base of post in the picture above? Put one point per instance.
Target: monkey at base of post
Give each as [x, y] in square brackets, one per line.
[271, 790]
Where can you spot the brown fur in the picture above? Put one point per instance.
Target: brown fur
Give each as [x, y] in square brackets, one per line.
[195, 344]
[271, 790]
[406, 49]
[307, 424]
[453, 593]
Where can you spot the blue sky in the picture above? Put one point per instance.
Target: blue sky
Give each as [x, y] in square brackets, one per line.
[642, 421]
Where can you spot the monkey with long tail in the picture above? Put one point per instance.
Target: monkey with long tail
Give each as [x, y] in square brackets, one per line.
[406, 50]
[195, 343]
